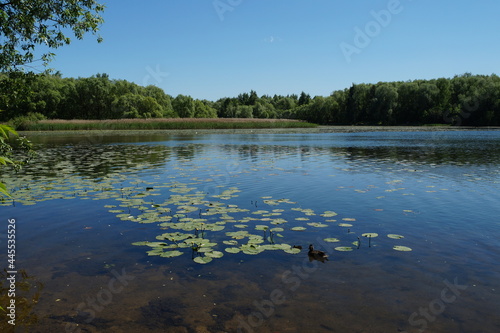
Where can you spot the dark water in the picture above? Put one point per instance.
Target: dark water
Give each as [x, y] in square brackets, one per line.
[76, 220]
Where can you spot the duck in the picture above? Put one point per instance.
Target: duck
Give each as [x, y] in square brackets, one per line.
[316, 254]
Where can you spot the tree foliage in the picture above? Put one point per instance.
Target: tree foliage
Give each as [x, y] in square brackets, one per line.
[10, 141]
[24, 24]
[472, 100]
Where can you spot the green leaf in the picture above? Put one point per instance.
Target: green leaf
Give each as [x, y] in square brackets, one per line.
[401, 248]
[5, 160]
[3, 190]
[214, 254]
[394, 236]
[202, 260]
[5, 130]
[343, 248]
[331, 240]
[171, 254]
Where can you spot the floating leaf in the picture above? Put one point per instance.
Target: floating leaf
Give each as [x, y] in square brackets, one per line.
[155, 252]
[370, 234]
[298, 229]
[345, 225]
[261, 227]
[402, 248]
[331, 240]
[232, 250]
[171, 254]
[318, 225]
[251, 249]
[394, 236]
[202, 260]
[329, 214]
[214, 254]
[343, 248]
[292, 250]
[141, 243]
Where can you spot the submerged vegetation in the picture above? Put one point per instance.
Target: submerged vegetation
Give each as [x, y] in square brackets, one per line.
[469, 100]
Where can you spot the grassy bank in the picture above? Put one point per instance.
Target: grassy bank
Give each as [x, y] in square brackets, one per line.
[163, 124]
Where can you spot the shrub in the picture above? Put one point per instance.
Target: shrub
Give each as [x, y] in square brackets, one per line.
[22, 123]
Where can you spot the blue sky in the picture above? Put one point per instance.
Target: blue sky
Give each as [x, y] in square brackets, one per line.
[210, 49]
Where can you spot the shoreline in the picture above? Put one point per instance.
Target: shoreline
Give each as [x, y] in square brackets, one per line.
[318, 129]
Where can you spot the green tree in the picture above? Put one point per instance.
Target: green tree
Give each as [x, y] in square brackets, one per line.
[184, 106]
[24, 24]
[386, 97]
[304, 99]
[203, 110]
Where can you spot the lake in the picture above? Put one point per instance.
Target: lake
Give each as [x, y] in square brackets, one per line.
[202, 232]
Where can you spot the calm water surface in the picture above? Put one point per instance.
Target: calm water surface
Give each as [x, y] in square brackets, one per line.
[79, 207]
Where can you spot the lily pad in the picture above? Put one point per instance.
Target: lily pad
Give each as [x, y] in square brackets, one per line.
[370, 235]
[171, 254]
[343, 248]
[202, 260]
[401, 248]
[331, 240]
[232, 249]
[394, 236]
[214, 254]
[298, 229]
[318, 225]
[261, 227]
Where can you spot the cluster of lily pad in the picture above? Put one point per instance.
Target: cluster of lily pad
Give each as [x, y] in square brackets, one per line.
[207, 225]
[208, 228]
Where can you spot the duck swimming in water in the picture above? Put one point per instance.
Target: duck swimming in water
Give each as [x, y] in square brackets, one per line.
[316, 254]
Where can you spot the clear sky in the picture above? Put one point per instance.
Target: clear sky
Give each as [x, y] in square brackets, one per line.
[210, 49]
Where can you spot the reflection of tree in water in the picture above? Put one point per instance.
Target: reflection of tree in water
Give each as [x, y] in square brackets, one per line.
[96, 161]
[484, 155]
[27, 293]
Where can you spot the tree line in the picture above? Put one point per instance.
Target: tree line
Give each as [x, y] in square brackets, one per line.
[467, 99]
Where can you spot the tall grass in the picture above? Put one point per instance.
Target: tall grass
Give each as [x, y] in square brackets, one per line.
[163, 123]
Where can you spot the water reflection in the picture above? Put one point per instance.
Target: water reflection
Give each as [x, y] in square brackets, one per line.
[200, 194]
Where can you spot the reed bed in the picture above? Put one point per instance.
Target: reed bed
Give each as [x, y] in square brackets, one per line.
[163, 123]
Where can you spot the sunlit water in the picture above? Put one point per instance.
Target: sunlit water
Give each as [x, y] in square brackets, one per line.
[76, 220]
